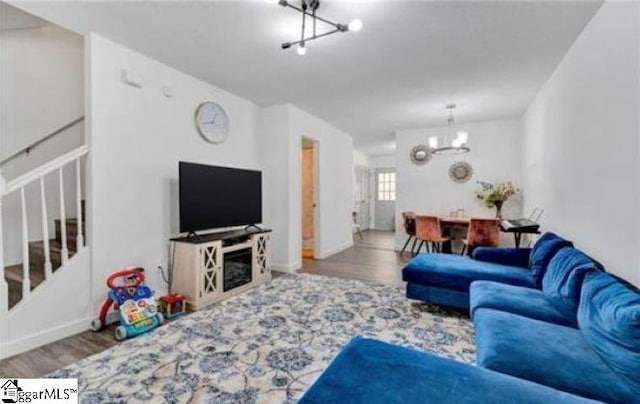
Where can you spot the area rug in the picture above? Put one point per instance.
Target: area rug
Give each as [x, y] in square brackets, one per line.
[267, 345]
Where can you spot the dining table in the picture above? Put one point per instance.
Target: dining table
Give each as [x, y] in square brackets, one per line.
[454, 220]
[460, 222]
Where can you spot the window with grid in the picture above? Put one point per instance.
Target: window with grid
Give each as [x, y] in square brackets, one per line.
[386, 186]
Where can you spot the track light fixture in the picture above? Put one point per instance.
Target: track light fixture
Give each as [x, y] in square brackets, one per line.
[308, 10]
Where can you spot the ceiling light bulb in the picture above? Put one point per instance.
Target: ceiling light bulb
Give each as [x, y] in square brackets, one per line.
[463, 137]
[302, 49]
[355, 25]
[433, 142]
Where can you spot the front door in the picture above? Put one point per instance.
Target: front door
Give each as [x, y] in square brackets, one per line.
[385, 208]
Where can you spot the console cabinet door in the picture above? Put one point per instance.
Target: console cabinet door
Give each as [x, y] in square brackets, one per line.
[210, 270]
[261, 256]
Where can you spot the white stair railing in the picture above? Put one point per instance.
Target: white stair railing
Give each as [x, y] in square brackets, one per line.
[18, 185]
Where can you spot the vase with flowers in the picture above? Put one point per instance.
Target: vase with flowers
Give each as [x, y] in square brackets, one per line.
[495, 195]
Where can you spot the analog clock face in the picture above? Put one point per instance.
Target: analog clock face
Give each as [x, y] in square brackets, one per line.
[212, 122]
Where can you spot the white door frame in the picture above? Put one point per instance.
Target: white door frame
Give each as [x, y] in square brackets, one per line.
[316, 193]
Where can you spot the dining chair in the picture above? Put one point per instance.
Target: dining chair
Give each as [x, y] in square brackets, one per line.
[409, 224]
[356, 226]
[482, 232]
[429, 232]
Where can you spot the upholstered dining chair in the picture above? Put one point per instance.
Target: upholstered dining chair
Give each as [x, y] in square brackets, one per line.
[428, 231]
[356, 226]
[482, 232]
[409, 224]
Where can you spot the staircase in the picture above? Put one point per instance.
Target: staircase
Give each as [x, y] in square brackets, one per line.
[37, 258]
[45, 264]
[41, 259]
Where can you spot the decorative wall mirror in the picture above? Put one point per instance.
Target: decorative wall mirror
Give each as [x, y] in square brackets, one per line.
[460, 172]
[420, 155]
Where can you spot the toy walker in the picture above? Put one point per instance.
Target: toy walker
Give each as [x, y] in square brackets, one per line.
[133, 303]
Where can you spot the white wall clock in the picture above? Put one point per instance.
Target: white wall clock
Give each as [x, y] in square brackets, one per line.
[212, 122]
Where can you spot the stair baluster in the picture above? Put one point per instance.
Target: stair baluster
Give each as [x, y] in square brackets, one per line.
[80, 235]
[26, 280]
[48, 270]
[63, 220]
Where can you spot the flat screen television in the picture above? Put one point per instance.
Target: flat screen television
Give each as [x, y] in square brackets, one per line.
[213, 197]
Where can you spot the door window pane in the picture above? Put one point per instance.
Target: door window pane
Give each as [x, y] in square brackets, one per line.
[386, 186]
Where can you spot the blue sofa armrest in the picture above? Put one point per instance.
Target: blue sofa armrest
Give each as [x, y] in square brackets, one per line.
[517, 257]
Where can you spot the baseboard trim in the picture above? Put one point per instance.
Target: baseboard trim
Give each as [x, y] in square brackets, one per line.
[326, 253]
[33, 341]
[290, 268]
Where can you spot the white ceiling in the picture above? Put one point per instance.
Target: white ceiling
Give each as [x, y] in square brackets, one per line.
[410, 59]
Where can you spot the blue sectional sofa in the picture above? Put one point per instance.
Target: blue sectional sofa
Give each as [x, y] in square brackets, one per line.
[597, 357]
[573, 336]
[368, 371]
[445, 279]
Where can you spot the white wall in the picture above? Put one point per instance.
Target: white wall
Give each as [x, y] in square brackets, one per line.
[284, 127]
[276, 142]
[581, 149]
[42, 84]
[495, 156]
[382, 161]
[42, 89]
[360, 159]
[53, 312]
[334, 187]
[136, 138]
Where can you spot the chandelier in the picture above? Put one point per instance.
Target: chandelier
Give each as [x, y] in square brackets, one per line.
[450, 144]
[308, 9]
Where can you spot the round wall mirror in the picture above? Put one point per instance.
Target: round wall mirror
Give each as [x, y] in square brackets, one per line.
[460, 172]
[420, 155]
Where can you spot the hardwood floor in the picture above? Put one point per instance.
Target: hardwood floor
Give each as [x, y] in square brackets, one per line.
[371, 259]
[58, 354]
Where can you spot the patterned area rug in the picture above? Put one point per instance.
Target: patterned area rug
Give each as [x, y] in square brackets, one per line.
[267, 345]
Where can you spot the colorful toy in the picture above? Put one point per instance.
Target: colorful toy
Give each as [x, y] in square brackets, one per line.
[133, 304]
[173, 305]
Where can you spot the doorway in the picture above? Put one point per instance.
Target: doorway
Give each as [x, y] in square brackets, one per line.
[308, 160]
[385, 198]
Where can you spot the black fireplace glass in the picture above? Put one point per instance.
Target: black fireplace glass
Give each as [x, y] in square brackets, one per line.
[237, 268]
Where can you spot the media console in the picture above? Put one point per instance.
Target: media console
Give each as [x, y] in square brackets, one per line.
[211, 267]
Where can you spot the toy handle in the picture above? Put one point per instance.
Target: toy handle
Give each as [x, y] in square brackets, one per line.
[136, 273]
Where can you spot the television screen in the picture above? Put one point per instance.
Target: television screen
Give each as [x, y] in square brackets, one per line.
[213, 197]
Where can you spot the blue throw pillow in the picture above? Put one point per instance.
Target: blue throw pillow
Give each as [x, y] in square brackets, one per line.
[609, 318]
[562, 281]
[543, 251]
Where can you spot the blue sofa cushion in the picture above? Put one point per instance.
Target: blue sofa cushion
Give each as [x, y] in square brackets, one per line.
[609, 317]
[457, 272]
[516, 300]
[517, 257]
[549, 354]
[562, 282]
[370, 371]
[438, 296]
[543, 251]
